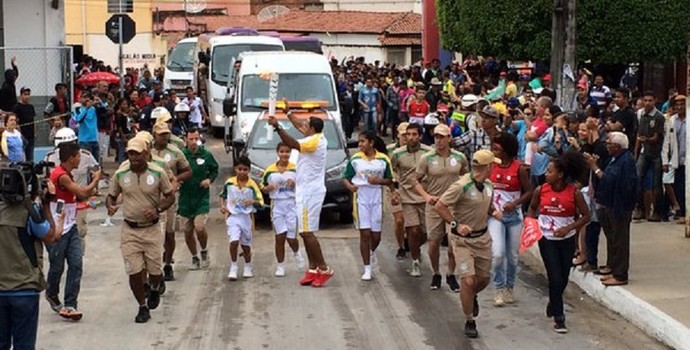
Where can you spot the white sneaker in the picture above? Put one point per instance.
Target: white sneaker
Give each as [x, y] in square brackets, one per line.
[416, 271]
[299, 260]
[205, 260]
[232, 276]
[372, 258]
[280, 271]
[247, 271]
[107, 222]
[367, 273]
[499, 298]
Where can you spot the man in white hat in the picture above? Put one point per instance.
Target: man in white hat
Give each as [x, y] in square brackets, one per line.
[474, 140]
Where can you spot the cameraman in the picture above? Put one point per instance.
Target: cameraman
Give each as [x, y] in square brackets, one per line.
[21, 276]
[68, 247]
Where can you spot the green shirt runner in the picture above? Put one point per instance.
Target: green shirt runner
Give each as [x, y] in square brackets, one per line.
[194, 199]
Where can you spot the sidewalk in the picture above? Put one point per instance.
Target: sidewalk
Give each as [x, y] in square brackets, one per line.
[657, 298]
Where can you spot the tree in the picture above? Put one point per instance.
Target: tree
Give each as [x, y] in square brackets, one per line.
[608, 31]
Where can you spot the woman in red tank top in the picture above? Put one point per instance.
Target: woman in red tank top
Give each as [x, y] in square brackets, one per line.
[562, 211]
[512, 188]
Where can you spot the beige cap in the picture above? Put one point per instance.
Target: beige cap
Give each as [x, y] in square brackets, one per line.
[161, 128]
[163, 118]
[442, 129]
[402, 127]
[144, 135]
[137, 145]
[484, 157]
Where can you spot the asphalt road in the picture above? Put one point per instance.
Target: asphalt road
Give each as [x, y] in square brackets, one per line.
[203, 310]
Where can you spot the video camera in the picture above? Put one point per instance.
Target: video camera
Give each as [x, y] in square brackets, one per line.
[22, 180]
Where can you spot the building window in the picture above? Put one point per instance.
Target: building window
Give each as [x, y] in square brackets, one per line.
[120, 6]
[416, 54]
[396, 55]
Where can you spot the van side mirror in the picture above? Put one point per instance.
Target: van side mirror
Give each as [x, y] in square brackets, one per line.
[352, 144]
[203, 58]
[238, 144]
[229, 107]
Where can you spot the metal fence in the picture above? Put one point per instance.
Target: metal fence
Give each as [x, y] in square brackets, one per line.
[40, 68]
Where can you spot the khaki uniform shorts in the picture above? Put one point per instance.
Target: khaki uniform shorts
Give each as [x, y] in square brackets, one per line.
[414, 214]
[435, 225]
[472, 255]
[169, 217]
[190, 224]
[142, 249]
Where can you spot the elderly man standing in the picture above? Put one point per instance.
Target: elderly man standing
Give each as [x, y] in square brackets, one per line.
[617, 192]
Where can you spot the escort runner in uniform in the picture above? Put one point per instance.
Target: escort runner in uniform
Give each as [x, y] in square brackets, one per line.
[179, 166]
[466, 206]
[404, 162]
[396, 205]
[146, 193]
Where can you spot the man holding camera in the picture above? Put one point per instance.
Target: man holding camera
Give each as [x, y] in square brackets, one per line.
[69, 246]
[21, 277]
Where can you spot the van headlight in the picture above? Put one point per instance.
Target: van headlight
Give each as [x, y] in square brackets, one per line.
[256, 172]
[336, 172]
[219, 118]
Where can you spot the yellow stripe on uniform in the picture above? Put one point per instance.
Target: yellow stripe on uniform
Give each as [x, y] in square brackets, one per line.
[305, 219]
[355, 213]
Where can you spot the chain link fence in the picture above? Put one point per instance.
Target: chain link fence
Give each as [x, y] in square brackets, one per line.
[40, 68]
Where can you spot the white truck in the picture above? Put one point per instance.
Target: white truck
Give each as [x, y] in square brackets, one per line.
[216, 55]
[179, 71]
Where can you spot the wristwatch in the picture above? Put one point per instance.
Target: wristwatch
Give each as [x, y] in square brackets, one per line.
[454, 224]
[277, 128]
[596, 172]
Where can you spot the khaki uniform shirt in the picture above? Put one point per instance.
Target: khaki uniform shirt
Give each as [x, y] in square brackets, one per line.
[437, 173]
[404, 166]
[140, 193]
[469, 205]
[173, 158]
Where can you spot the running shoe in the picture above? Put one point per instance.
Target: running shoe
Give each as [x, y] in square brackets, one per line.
[196, 264]
[280, 271]
[367, 273]
[499, 297]
[416, 271]
[54, 302]
[372, 258]
[475, 307]
[143, 316]
[247, 271]
[205, 260]
[232, 275]
[322, 277]
[471, 329]
[70, 313]
[162, 288]
[154, 299]
[168, 273]
[508, 296]
[559, 326]
[401, 254]
[299, 260]
[453, 283]
[435, 282]
[309, 277]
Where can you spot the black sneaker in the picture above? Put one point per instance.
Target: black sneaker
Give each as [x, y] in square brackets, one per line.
[559, 326]
[54, 302]
[549, 313]
[435, 282]
[453, 283]
[168, 273]
[154, 299]
[475, 307]
[401, 254]
[471, 329]
[143, 316]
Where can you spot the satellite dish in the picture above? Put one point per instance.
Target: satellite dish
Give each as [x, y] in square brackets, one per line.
[194, 6]
[271, 12]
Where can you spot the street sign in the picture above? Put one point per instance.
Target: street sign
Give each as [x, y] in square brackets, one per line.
[112, 28]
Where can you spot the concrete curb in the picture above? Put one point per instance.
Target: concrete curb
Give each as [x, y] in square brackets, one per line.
[651, 320]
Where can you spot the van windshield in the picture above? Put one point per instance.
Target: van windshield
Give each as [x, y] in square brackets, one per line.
[223, 56]
[291, 86]
[182, 57]
[264, 136]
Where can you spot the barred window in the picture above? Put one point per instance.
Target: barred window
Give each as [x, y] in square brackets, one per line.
[120, 6]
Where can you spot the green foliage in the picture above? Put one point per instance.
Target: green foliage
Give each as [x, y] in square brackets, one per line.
[608, 31]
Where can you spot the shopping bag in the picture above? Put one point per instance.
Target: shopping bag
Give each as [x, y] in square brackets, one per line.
[530, 235]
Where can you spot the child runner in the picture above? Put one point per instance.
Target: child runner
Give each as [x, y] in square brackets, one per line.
[279, 183]
[366, 174]
[238, 202]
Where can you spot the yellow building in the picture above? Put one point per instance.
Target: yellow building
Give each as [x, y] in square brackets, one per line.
[85, 26]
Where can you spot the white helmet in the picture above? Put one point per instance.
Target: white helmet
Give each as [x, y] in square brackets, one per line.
[182, 108]
[160, 113]
[64, 135]
[431, 119]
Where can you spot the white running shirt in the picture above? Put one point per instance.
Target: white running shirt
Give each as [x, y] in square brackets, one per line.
[311, 165]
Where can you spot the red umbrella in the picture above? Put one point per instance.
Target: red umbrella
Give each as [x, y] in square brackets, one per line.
[95, 77]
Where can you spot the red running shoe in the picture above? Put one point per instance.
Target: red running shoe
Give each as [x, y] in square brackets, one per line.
[309, 277]
[322, 278]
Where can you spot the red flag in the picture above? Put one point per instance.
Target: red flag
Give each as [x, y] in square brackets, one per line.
[531, 234]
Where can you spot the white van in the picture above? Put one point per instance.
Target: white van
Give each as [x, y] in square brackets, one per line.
[179, 71]
[303, 77]
[218, 54]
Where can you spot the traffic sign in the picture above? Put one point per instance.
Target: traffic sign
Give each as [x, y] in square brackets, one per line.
[112, 28]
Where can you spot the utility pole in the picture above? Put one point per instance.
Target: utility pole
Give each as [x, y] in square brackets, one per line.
[119, 61]
[563, 47]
